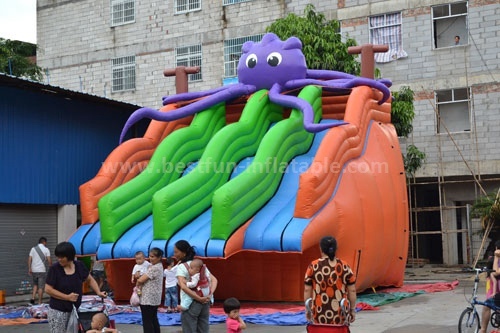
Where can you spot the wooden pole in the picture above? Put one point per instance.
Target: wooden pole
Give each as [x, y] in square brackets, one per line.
[181, 77]
[367, 52]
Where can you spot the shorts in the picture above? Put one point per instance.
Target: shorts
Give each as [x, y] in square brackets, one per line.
[39, 279]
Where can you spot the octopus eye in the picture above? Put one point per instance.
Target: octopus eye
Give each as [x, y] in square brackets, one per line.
[252, 60]
[274, 59]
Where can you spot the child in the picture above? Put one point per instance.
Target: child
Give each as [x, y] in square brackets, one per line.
[141, 267]
[199, 282]
[98, 324]
[171, 289]
[234, 323]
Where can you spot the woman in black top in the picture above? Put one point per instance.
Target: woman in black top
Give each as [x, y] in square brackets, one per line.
[64, 285]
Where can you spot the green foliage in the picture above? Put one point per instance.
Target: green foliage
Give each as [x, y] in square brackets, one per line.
[403, 111]
[486, 207]
[322, 44]
[14, 59]
[413, 160]
[402, 114]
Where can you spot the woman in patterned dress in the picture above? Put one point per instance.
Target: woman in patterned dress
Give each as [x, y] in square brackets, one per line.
[152, 287]
[328, 281]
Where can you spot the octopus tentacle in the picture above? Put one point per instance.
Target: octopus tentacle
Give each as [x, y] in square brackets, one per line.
[386, 82]
[345, 84]
[323, 74]
[227, 94]
[193, 95]
[135, 117]
[300, 83]
[362, 81]
[276, 97]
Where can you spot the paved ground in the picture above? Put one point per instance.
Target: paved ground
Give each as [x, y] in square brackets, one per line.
[436, 313]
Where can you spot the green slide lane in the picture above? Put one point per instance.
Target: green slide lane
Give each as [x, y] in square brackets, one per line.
[178, 203]
[239, 199]
[131, 202]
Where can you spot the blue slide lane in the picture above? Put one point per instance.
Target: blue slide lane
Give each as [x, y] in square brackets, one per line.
[86, 238]
[137, 238]
[265, 230]
[77, 238]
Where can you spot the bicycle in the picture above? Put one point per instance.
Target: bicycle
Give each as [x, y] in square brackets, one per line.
[470, 321]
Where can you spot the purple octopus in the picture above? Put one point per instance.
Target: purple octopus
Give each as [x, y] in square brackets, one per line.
[272, 64]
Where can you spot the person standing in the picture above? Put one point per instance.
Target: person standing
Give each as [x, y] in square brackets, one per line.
[171, 289]
[152, 287]
[38, 262]
[234, 323]
[65, 286]
[329, 283]
[196, 317]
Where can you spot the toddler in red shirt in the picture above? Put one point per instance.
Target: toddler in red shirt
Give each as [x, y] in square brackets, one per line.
[234, 323]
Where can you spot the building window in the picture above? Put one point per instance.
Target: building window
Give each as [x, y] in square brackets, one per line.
[232, 53]
[123, 73]
[122, 12]
[453, 110]
[386, 29]
[189, 56]
[232, 2]
[449, 22]
[184, 6]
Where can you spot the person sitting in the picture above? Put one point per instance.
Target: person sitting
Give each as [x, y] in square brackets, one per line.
[98, 324]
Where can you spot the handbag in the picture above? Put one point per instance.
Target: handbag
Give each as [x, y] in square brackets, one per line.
[73, 322]
[135, 300]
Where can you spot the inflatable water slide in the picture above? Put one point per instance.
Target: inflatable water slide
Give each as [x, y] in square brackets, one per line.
[254, 192]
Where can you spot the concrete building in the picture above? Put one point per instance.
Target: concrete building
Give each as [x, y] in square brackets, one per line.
[119, 49]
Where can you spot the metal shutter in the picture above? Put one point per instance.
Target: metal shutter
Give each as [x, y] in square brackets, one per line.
[20, 228]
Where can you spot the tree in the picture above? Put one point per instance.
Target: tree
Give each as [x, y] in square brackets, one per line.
[402, 114]
[322, 44]
[15, 59]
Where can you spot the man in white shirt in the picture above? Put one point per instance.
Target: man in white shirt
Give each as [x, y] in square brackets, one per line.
[38, 262]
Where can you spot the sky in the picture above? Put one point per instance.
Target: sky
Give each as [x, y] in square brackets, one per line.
[18, 20]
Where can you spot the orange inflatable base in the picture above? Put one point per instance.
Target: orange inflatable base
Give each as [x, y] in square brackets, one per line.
[246, 275]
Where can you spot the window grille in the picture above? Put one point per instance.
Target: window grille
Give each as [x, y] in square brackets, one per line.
[386, 29]
[232, 53]
[122, 12]
[453, 110]
[190, 56]
[232, 2]
[184, 6]
[123, 73]
[450, 21]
